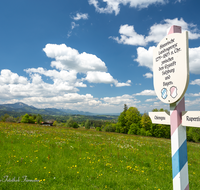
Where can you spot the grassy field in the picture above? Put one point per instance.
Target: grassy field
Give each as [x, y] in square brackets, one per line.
[36, 157]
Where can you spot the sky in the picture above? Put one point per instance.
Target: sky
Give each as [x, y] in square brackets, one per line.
[91, 55]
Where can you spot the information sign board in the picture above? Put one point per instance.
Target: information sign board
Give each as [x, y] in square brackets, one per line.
[160, 118]
[191, 118]
[171, 67]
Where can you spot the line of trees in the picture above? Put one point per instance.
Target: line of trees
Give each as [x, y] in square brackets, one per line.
[130, 121]
[27, 118]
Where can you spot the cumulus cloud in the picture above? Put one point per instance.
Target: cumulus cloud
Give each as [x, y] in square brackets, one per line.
[157, 32]
[7, 77]
[128, 36]
[55, 75]
[194, 60]
[70, 59]
[99, 77]
[80, 16]
[120, 100]
[114, 5]
[145, 57]
[193, 94]
[148, 75]
[67, 58]
[103, 77]
[151, 100]
[146, 93]
[195, 82]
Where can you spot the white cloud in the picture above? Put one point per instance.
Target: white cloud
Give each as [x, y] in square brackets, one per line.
[151, 100]
[193, 94]
[81, 16]
[114, 5]
[146, 93]
[67, 58]
[145, 57]
[148, 75]
[70, 59]
[195, 82]
[157, 32]
[194, 60]
[7, 77]
[99, 77]
[118, 84]
[73, 25]
[103, 77]
[120, 100]
[128, 36]
[55, 75]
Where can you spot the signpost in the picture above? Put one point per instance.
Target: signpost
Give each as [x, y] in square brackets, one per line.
[171, 78]
[191, 118]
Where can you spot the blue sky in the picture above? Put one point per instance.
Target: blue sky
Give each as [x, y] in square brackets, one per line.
[91, 55]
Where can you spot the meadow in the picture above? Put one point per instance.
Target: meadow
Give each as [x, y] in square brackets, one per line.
[57, 158]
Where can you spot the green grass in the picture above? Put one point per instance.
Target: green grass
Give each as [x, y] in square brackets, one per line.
[63, 158]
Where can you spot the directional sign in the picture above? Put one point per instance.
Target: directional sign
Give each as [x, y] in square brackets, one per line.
[191, 118]
[160, 118]
[171, 67]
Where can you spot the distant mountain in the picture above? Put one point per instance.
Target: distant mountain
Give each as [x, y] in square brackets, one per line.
[21, 107]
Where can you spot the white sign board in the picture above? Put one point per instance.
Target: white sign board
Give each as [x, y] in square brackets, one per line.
[171, 67]
[160, 118]
[191, 118]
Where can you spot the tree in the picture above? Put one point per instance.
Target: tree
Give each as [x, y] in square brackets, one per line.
[70, 122]
[134, 128]
[87, 124]
[38, 119]
[10, 119]
[3, 118]
[55, 123]
[27, 119]
[125, 107]
[146, 122]
[132, 116]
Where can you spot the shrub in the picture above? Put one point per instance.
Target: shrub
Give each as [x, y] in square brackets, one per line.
[75, 125]
[193, 134]
[142, 132]
[110, 128]
[98, 129]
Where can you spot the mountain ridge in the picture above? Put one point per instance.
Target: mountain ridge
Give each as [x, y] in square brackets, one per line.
[22, 107]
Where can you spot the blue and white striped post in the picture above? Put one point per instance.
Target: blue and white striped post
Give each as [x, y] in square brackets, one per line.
[178, 140]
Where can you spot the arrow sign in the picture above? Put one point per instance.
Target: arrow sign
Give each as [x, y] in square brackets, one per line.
[160, 118]
[191, 118]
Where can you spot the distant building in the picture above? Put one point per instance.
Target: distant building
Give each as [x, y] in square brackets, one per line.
[47, 123]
